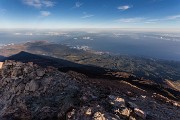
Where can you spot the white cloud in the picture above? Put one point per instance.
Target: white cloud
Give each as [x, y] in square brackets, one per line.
[153, 20]
[125, 7]
[148, 20]
[39, 3]
[78, 4]
[48, 3]
[45, 13]
[173, 17]
[131, 20]
[87, 16]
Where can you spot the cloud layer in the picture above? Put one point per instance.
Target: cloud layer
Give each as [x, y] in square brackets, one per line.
[87, 16]
[148, 20]
[131, 20]
[45, 13]
[39, 3]
[78, 4]
[173, 17]
[125, 7]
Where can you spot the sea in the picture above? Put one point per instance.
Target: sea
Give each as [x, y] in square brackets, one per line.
[158, 45]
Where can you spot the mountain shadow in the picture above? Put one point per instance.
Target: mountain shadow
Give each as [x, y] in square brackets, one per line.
[2, 58]
[91, 71]
[62, 65]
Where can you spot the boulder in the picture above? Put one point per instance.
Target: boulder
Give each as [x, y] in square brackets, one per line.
[98, 116]
[123, 112]
[140, 113]
[88, 111]
[32, 86]
[40, 72]
[116, 101]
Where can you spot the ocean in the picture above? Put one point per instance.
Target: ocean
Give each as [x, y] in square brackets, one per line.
[144, 44]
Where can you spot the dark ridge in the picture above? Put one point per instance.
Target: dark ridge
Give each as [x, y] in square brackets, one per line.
[157, 88]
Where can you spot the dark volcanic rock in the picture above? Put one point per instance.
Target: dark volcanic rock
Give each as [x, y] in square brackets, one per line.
[30, 92]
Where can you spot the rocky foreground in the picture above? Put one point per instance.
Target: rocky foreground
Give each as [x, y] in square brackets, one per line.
[30, 92]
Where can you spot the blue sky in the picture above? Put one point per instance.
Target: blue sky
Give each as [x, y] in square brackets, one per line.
[164, 14]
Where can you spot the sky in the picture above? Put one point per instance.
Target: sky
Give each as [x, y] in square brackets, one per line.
[163, 14]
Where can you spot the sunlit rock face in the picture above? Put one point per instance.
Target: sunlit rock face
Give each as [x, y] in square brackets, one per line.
[1, 64]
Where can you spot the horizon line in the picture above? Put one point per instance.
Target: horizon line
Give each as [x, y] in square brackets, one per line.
[108, 28]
